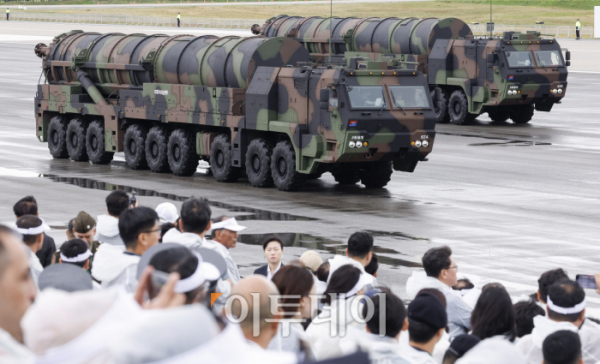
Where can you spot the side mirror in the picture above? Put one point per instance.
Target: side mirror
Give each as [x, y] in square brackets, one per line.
[568, 55]
[568, 63]
[324, 95]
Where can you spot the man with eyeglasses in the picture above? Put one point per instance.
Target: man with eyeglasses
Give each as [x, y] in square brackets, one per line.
[441, 273]
[140, 231]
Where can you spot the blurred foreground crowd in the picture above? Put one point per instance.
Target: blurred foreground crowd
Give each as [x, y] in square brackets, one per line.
[142, 285]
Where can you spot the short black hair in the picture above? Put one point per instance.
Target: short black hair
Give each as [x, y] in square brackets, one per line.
[195, 215]
[26, 206]
[70, 226]
[135, 221]
[117, 202]
[26, 222]
[373, 265]
[394, 314]
[164, 228]
[341, 282]
[360, 244]
[562, 347]
[323, 272]
[525, 311]
[465, 283]
[420, 332]
[73, 248]
[549, 278]
[271, 239]
[436, 259]
[494, 314]
[177, 259]
[565, 294]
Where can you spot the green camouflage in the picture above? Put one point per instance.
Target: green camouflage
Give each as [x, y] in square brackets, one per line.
[206, 91]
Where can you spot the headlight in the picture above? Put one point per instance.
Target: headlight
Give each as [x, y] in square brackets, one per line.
[418, 143]
[351, 144]
[554, 91]
[359, 144]
[560, 90]
[425, 143]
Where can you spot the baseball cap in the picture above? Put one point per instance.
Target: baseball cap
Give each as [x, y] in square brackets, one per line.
[311, 259]
[167, 212]
[83, 222]
[427, 309]
[229, 224]
[65, 277]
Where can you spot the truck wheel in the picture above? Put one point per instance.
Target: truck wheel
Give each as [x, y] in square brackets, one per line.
[345, 176]
[156, 149]
[283, 168]
[522, 114]
[458, 108]
[220, 160]
[181, 153]
[377, 176]
[134, 144]
[441, 108]
[57, 137]
[498, 115]
[258, 163]
[94, 143]
[76, 140]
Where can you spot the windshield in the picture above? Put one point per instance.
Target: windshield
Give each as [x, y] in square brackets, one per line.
[409, 96]
[548, 58]
[519, 59]
[367, 97]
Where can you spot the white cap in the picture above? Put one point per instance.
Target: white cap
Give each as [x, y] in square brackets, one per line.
[229, 224]
[167, 212]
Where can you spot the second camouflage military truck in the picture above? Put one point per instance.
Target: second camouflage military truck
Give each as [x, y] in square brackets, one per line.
[246, 105]
[507, 77]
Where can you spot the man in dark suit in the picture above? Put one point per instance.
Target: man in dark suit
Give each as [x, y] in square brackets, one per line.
[28, 206]
[273, 248]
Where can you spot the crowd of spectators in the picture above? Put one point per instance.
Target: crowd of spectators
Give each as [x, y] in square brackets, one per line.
[142, 285]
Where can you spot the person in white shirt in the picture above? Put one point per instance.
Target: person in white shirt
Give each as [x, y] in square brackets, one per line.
[566, 311]
[494, 314]
[225, 233]
[107, 229]
[358, 253]
[273, 249]
[18, 293]
[427, 320]
[32, 229]
[563, 346]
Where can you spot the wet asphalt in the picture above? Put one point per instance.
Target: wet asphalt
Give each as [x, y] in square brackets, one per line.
[511, 201]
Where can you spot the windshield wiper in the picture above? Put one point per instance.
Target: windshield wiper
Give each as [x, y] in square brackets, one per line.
[382, 99]
[400, 106]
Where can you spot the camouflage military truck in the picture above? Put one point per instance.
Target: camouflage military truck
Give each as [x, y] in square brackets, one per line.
[248, 106]
[507, 77]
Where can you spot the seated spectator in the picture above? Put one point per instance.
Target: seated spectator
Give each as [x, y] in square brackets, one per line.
[494, 314]
[273, 249]
[311, 260]
[373, 266]
[139, 230]
[164, 228]
[322, 277]
[28, 206]
[459, 347]
[463, 286]
[546, 280]
[328, 329]
[167, 217]
[84, 228]
[440, 273]
[566, 311]
[493, 351]
[525, 311]
[562, 347]
[77, 252]
[358, 254]
[107, 230]
[32, 229]
[17, 294]
[66, 277]
[225, 234]
[296, 286]
[427, 320]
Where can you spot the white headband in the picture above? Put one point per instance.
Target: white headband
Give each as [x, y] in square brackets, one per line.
[566, 310]
[192, 282]
[77, 259]
[31, 231]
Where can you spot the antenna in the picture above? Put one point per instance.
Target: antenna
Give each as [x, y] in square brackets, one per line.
[330, 27]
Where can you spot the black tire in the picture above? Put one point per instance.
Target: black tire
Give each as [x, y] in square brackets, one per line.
[498, 114]
[283, 168]
[458, 108]
[134, 145]
[76, 133]
[221, 164]
[94, 144]
[258, 163]
[156, 149]
[183, 159]
[522, 114]
[57, 137]
[441, 108]
[344, 176]
[377, 175]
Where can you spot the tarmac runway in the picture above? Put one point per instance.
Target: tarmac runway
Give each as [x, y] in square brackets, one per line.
[511, 201]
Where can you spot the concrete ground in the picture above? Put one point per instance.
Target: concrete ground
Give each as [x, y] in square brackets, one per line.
[511, 201]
